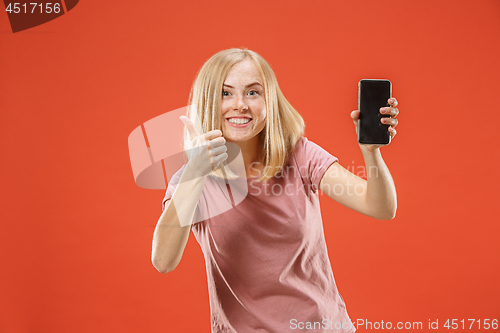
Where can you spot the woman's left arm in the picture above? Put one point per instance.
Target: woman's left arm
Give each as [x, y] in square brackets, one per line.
[376, 196]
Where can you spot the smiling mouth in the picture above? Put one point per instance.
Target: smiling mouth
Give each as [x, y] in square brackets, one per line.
[239, 121]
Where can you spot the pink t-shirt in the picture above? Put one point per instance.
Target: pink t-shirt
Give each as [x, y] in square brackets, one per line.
[266, 258]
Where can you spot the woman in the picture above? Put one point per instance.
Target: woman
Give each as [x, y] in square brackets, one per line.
[267, 264]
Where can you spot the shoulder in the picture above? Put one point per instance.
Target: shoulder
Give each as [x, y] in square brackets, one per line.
[313, 158]
[300, 144]
[305, 147]
[305, 152]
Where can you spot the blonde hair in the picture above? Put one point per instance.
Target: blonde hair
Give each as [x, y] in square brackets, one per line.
[284, 125]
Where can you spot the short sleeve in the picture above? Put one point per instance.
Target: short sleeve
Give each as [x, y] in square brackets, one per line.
[172, 184]
[317, 161]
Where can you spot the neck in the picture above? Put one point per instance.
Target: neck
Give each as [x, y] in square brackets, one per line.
[250, 151]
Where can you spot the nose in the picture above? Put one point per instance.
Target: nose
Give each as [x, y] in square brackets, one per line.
[239, 103]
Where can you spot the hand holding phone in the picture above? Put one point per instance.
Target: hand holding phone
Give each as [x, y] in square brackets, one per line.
[373, 95]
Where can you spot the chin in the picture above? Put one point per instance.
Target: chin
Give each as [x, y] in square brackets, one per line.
[235, 139]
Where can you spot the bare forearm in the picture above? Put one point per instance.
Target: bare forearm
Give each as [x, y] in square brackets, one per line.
[381, 191]
[173, 227]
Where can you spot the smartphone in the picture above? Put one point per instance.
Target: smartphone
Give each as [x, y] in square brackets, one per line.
[372, 95]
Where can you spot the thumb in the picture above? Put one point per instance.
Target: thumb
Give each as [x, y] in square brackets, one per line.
[355, 118]
[355, 115]
[190, 126]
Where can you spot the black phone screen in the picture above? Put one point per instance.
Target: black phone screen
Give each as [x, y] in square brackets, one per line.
[372, 95]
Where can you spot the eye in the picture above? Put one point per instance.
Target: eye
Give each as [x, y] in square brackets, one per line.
[253, 93]
[225, 93]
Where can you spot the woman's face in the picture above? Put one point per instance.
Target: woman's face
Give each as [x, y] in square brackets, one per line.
[243, 105]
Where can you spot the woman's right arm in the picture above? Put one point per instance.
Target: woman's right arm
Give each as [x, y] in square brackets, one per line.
[173, 227]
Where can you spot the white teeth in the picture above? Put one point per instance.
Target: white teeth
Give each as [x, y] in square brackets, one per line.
[239, 120]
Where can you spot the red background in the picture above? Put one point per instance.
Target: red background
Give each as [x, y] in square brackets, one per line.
[76, 230]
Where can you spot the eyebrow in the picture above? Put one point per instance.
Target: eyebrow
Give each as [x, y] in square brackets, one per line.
[251, 84]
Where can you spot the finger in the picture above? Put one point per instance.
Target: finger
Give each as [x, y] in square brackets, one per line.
[217, 142]
[393, 132]
[213, 135]
[389, 121]
[219, 159]
[393, 112]
[355, 119]
[392, 102]
[190, 126]
[218, 150]
[355, 115]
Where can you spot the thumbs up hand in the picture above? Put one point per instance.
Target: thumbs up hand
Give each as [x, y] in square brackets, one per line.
[212, 142]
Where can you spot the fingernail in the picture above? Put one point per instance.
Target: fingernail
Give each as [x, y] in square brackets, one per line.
[382, 110]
